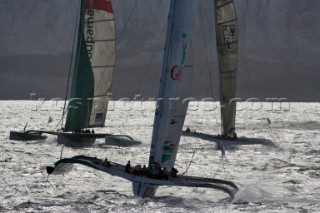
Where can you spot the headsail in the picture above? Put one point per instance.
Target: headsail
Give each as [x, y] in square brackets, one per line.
[94, 64]
[227, 45]
[179, 31]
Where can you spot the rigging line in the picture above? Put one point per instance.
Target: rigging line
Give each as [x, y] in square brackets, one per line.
[218, 167]
[72, 59]
[128, 20]
[66, 152]
[212, 43]
[61, 151]
[151, 58]
[189, 163]
[58, 123]
[204, 41]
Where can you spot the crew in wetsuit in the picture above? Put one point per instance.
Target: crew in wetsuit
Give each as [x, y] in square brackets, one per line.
[235, 137]
[106, 163]
[165, 173]
[154, 170]
[137, 170]
[174, 172]
[128, 167]
[144, 170]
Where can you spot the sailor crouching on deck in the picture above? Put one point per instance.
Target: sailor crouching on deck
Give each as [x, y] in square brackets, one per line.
[137, 170]
[174, 172]
[106, 163]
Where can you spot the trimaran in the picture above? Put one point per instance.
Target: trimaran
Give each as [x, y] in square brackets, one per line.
[168, 122]
[93, 67]
[227, 47]
[226, 25]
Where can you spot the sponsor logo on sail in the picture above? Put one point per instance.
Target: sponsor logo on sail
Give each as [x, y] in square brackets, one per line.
[99, 117]
[230, 38]
[104, 5]
[169, 146]
[176, 73]
[176, 70]
[89, 32]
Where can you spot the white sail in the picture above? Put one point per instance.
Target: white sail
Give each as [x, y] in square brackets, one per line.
[179, 32]
[99, 33]
[227, 45]
[178, 113]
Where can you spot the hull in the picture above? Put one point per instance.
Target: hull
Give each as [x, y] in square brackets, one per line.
[143, 190]
[75, 140]
[25, 136]
[144, 184]
[120, 140]
[228, 143]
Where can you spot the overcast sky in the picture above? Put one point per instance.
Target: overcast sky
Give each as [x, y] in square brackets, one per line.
[279, 48]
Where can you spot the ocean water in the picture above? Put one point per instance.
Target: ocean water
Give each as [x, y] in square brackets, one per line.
[280, 178]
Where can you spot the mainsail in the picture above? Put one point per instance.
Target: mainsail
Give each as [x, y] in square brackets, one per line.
[227, 45]
[93, 66]
[178, 113]
[179, 31]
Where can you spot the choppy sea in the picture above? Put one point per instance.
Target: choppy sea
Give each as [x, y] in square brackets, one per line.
[280, 178]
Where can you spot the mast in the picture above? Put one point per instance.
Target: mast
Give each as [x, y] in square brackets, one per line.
[227, 46]
[93, 68]
[181, 18]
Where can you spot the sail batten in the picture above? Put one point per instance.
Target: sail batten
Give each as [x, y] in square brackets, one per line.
[226, 22]
[103, 40]
[104, 20]
[103, 66]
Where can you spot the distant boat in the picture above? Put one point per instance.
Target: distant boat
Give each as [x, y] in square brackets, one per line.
[91, 71]
[26, 135]
[167, 123]
[227, 46]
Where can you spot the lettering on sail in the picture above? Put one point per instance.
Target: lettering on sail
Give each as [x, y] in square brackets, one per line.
[89, 32]
[176, 73]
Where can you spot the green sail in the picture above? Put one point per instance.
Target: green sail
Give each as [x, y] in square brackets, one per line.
[82, 90]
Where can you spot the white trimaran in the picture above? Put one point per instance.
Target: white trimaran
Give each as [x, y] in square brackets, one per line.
[168, 122]
[93, 65]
